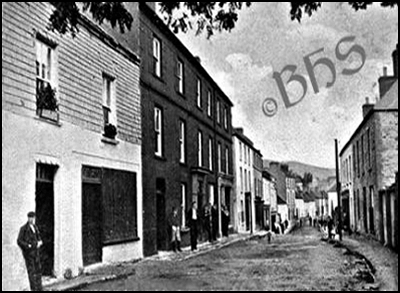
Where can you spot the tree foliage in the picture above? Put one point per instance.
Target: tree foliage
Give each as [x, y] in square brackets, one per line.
[180, 16]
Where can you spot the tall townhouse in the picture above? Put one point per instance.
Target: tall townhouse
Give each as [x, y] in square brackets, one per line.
[374, 147]
[258, 189]
[187, 130]
[71, 144]
[348, 199]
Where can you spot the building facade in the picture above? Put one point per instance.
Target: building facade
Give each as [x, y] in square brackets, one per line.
[258, 190]
[279, 173]
[71, 144]
[348, 199]
[244, 182]
[270, 199]
[187, 130]
[375, 158]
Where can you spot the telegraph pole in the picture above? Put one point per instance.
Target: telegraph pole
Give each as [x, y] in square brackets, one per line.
[338, 184]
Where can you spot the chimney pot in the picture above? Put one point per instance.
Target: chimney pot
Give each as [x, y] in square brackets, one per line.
[385, 71]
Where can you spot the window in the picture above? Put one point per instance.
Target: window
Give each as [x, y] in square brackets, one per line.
[184, 201]
[157, 57]
[227, 160]
[109, 105]
[219, 157]
[358, 159]
[44, 56]
[218, 112]
[119, 191]
[369, 150]
[180, 76]
[240, 151]
[199, 97]
[241, 180]
[245, 181]
[245, 154]
[354, 160]
[182, 142]
[211, 197]
[226, 118]
[350, 166]
[200, 149]
[362, 154]
[158, 128]
[210, 154]
[209, 104]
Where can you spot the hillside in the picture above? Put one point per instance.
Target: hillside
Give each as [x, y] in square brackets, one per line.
[319, 173]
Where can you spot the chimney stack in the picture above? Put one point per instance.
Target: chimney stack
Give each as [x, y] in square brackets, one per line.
[385, 71]
[367, 107]
[396, 62]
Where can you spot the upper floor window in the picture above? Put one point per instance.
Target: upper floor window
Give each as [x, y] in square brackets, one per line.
[226, 118]
[210, 153]
[158, 128]
[182, 141]
[209, 104]
[200, 149]
[109, 103]
[218, 112]
[219, 157]
[240, 151]
[199, 97]
[180, 76]
[227, 160]
[157, 57]
[44, 56]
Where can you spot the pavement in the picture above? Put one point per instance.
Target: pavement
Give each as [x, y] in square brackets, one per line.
[112, 272]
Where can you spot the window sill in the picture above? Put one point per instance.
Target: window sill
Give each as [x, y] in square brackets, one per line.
[110, 141]
[159, 78]
[163, 159]
[182, 95]
[122, 241]
[49, 121]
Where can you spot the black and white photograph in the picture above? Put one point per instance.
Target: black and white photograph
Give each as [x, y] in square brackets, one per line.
[200, 146]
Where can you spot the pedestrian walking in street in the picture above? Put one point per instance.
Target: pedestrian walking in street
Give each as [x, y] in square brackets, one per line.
[192, 218]
[225, 221]
[208, 221]
[175, 222]
[214, 217]
[29, 241]
[286, 224]
[330, 225]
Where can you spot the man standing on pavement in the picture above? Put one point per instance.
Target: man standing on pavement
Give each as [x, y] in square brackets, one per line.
[192, 218]
[175, 223]
[29, 241]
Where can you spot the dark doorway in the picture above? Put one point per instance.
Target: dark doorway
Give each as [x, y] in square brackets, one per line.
[228, 203]
[371, 211]
[161, 215]
[248, 211]
[91, 216]
[45, 214]
[365, 215]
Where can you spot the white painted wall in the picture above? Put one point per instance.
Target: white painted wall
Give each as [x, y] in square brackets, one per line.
[26, 141]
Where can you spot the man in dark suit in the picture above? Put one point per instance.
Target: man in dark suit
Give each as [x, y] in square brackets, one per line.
[29, 241]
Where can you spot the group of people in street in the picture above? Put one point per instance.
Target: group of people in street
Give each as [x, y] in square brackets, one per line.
[207, 218]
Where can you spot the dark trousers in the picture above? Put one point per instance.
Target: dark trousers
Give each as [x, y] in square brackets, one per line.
[34, 269]
[193, 234]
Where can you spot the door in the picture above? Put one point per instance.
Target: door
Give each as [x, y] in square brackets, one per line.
[91, 216]
[91, 220]
[248, 211]
[45, 215]
[162, 234]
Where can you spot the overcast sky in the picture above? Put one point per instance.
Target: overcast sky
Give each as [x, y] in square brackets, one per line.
[266, 40]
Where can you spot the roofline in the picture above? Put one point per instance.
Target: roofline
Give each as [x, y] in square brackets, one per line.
[152, 15]
[106, 38]
[365, 120]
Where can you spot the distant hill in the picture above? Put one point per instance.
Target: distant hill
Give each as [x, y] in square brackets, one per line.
[319, 173]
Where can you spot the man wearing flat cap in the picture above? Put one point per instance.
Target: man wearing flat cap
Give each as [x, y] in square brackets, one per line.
[29, 241]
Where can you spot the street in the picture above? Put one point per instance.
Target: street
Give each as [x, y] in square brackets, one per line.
[300, 262]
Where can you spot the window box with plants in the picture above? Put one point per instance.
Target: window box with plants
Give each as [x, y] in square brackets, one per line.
[110, 131]
[47, 104]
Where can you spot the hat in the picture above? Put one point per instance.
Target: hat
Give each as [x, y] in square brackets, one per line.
[31, 215]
